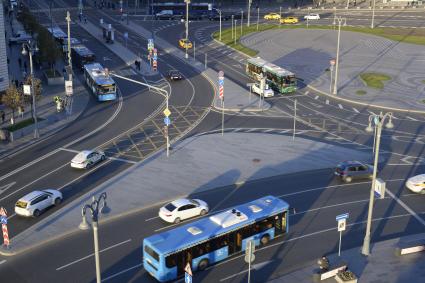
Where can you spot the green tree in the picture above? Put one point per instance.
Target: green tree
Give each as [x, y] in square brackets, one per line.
[13, 99]
[38, 88]
[48, 48]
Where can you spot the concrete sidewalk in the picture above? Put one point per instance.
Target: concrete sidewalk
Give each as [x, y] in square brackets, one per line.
[237, 158]
[382, 265]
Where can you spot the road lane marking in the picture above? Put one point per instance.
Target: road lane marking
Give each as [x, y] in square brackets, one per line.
[340, 106]
[307, 92]
[92, 254]
[407, 208]
[317, 97]
[108, 157]
[152, 218]
[6, 187]
[3, 261]
[410, 118]
[327, 101]
[255, 266]
[370, 112]
[121, 272]
[355, 110]
[34, 181]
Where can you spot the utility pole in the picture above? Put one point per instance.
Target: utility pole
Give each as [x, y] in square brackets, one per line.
[68, 21]
[241, 23]
[187, 26]
[258, 17]
[249, 12]
[30, 52]
[335, 90]
[295, 118]
[373, 15]
[219, 11]
[232, 26]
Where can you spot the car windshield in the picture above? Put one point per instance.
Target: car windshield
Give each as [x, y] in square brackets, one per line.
[170, 207]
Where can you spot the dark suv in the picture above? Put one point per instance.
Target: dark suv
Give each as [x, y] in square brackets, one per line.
[349, 170]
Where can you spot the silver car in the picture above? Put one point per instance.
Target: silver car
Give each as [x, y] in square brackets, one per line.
[87, 158]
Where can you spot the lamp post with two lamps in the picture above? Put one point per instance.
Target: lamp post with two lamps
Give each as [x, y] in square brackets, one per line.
[30, 48]
[94, 210]
[378, 121]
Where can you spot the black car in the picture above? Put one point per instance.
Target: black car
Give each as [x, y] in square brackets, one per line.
[174, 75]
[349, 170]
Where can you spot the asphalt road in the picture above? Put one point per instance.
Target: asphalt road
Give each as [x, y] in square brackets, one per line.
[315, 196]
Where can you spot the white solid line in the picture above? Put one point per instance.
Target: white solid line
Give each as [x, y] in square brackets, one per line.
[355, 110]
[3, 261]
[340, 106]
[69, 150]
[327, 101]
[414, 214]
[307, 92]
[152, 218]
[410, 118]
[92, 254]
[317, 97]
[121, 272]
[370, 112]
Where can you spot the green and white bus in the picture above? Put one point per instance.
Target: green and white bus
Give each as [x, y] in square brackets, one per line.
[279, 79]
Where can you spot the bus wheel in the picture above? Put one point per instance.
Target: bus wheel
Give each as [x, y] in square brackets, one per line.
[203, 264]
[265, 239]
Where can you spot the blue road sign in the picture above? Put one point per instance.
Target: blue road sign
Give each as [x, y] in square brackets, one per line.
[167, 121]
[342, 216]
[155, 57]
[187, 278]
[150, 40]
[3, 220]
[220, 82]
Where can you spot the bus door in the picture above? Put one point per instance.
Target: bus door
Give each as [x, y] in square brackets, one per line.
[183, 258]
[235, 242]
[280, 223]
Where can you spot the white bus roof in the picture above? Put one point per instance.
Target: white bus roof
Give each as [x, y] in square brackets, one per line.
[97, 73]
[277, 70]
[257, 61]
[57, 32]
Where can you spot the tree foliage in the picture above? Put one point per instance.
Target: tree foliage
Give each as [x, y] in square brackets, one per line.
[38, 88]
[48, 48]
[13, 99]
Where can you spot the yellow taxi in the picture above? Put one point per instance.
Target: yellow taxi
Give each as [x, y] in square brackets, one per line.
[183, 43]
[272, 16]
[289, 20]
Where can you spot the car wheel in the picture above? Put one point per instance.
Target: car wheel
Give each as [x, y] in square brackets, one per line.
[348, 179]
[36, 213]
[265, 239]
[58, 201]
[89, 165]
[203, 212]
[203, 264]
[177, 220]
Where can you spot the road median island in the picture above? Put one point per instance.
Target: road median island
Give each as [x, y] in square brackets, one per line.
[404, 35]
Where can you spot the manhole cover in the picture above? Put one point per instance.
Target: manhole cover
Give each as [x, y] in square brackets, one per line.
[256, 160]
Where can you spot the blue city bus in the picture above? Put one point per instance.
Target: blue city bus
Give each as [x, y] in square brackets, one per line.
[212, 239]
[100, 83]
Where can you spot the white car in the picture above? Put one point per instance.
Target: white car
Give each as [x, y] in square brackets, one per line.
[268, 92]
[36, 202]
[87, 158]
[416, 184]
[312, 17]
[182, 209]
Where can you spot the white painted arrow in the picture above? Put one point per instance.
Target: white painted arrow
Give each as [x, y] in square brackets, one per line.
[5, 187]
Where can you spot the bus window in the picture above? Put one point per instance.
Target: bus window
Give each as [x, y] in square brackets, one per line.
[152, 253]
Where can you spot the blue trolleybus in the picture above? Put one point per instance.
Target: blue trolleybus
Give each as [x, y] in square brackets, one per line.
[214, 238]
[100, 83]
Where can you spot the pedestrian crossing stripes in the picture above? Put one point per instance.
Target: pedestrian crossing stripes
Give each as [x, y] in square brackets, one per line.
[355, 110]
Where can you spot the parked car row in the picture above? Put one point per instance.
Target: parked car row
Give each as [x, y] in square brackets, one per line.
[290, 20]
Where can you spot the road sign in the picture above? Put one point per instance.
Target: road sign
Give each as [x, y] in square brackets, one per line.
[342, 216]
[379, 188]
[167, 112]
[3, 220]
[4, 226]
[342, 224]
[167, 121]
[220, 81]
[188, 270]
[332, 62]
[187, 278]
[68, 88]
[221, 92]
[27, 89]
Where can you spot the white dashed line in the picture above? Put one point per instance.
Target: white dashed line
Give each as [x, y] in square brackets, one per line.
[410, 118]
[414, 214]
[370, 112]
[307, 92]
[317, 97]
[355, 110]
[340, 106]
[327, 101]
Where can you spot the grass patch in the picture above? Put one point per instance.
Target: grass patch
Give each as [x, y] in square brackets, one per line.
[423, 81]
[414, 36]
[423, 100]
[375, 80]
[22, 124]
[361, 92]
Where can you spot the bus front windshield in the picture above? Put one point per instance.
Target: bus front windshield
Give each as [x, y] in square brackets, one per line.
[106, 89]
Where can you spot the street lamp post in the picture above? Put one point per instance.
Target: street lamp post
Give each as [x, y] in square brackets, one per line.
[258, 17]
[378, 120]
[241, 23]
[187, 25]
[339, 19]
[27, 48]
[219, 12]
[373, 15]
[94, 210]
[232, 26]
[249, 13]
